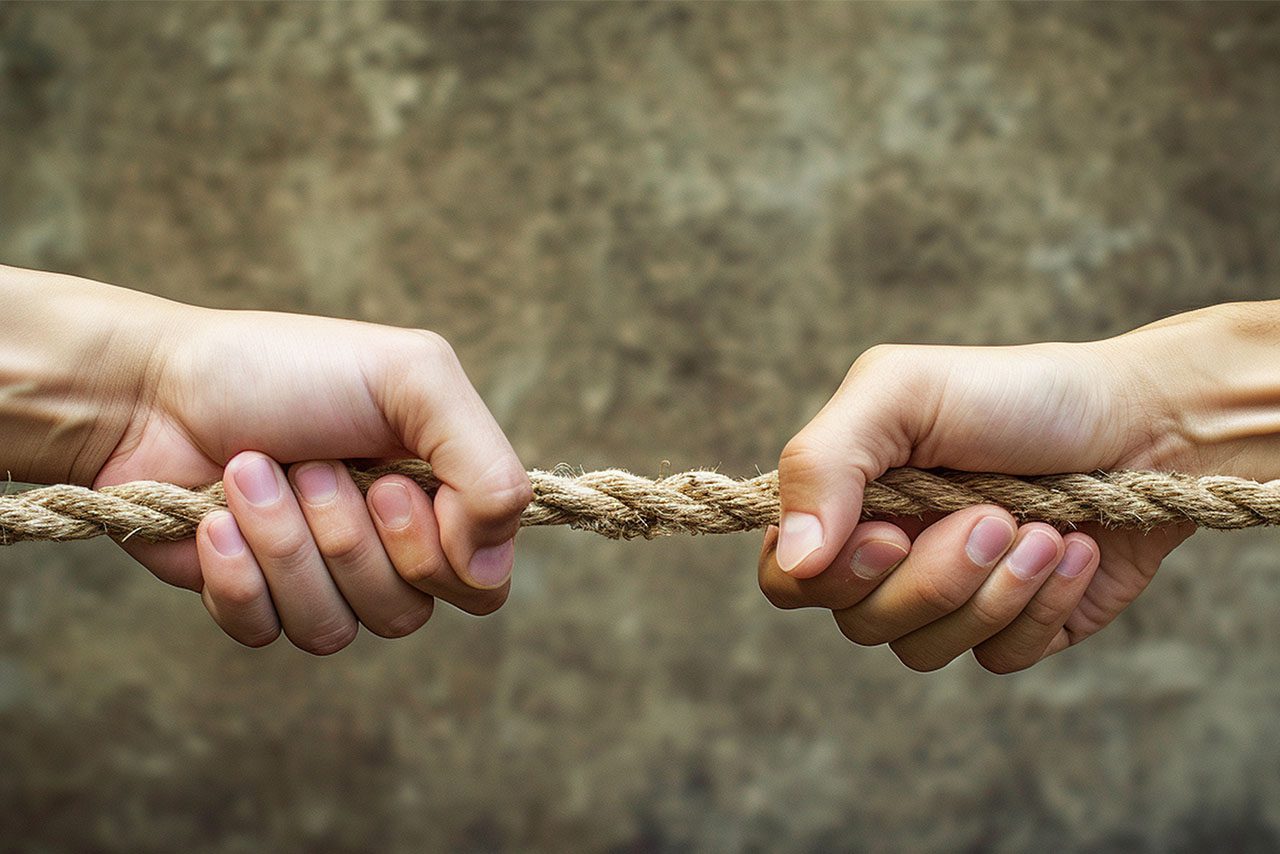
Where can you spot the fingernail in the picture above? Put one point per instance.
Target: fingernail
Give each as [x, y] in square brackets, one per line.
[799, 536]
[1075, 560]
[257, 481]
[875, 558]
[224, 533]
[1032, 555]
[317, 482]
[392, 504]
[989, 539]
[491, 566]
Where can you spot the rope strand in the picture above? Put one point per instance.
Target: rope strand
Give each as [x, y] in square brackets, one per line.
[621, 505]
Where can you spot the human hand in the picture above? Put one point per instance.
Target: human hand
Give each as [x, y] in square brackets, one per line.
[234, 395]
[1196, 393]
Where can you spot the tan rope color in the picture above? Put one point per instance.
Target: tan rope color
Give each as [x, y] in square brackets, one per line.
[621, 505]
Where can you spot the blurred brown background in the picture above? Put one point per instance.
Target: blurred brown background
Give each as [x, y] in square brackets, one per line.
[654, 233]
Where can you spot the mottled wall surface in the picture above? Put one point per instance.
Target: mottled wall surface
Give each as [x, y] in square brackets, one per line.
[654, 233]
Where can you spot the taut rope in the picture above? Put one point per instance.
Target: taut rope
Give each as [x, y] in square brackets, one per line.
[621, 505]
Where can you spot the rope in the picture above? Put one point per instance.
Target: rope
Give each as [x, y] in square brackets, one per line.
[621, 505]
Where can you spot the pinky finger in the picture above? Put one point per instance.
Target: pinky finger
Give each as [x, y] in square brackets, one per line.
[1037, 632]
[235, 591]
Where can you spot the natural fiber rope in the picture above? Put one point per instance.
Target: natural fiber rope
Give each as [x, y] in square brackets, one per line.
[622, 505]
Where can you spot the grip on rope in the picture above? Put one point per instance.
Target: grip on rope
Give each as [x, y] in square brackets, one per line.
[621, 505]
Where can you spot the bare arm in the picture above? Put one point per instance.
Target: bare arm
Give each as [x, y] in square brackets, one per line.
[73, 359]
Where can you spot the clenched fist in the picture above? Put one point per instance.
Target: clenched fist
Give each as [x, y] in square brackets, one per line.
[1198, 393]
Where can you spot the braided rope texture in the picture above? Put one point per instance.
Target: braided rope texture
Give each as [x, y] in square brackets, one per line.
[621, 505]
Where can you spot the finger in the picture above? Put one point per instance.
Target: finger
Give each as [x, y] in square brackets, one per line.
[995, 604]
[442, 419]
[173, 563]
[348, 543]
[869, 425]
[407, 526]
[313, 613]
[947, 564]
[873, 549]
[1129, 561]
[1038, 631]
[235, 593]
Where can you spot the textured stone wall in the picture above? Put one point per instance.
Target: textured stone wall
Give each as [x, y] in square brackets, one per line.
[656, 234]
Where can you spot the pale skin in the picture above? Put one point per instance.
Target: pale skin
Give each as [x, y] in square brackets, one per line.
[101, 385]
[1197, 393]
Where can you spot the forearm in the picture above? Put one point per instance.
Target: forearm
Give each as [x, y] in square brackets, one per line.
[74, 358]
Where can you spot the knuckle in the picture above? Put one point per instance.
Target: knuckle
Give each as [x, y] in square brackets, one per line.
[236, 593]
[938, 597]
[329, 641]
[800, 449]
[905, 364]
[878, 354]
[404, 624]
[877, 358]
[1043, 615]
[422, 571]
[506, 492]
[434, 346]
[344, 545]
[511, 500]
[290, 550]
[986, 616]
[803, 457]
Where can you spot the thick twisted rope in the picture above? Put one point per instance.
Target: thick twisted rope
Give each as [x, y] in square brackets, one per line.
[621, 505]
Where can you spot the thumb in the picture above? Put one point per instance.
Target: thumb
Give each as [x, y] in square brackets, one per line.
[867, 427]
[440, 417]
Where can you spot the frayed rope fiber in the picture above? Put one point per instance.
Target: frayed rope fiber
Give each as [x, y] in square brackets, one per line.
[621, 505]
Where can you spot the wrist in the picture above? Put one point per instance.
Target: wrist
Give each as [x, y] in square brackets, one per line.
[1207, 384]
[74, 369]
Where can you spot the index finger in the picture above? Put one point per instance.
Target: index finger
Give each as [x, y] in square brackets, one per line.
[866, 559]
